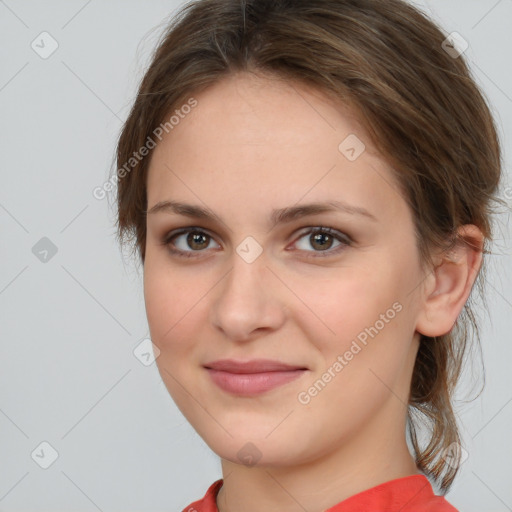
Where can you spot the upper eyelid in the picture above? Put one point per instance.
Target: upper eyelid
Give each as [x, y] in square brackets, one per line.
[183, 231]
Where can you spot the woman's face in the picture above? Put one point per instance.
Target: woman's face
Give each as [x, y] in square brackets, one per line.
[252, 280]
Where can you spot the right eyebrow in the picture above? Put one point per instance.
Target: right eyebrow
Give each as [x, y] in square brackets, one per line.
[188, 210]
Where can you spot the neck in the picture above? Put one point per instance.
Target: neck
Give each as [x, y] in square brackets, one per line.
[374, 455]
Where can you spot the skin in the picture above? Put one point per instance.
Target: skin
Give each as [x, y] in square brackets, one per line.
[253, 144]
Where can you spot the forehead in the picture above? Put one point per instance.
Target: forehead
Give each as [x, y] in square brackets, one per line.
[282, 139]
[261, 105]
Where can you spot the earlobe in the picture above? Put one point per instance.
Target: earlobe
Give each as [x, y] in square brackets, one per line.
[451, 282]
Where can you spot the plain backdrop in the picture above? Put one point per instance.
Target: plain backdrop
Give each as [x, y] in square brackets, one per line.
[74, 395]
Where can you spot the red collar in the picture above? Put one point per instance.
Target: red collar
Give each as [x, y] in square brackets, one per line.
[412, 493]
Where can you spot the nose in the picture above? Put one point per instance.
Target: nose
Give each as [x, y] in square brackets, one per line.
[248, 300]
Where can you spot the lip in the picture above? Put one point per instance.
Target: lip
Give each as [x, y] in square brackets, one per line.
[249, 378]
[252, 366]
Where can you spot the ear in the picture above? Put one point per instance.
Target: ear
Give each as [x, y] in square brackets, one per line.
[447, 289]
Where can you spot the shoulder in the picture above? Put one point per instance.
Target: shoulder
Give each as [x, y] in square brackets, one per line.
[426, 500]
[208, 502]
[413, 493]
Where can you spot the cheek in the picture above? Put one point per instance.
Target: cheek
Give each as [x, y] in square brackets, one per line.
[362, 318]
[173, 310]
[341, 306]
[158, 298]
[169, 300]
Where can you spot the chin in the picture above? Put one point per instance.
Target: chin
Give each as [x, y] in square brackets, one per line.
[257, 451]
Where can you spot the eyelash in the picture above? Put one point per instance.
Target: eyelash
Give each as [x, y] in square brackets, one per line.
[345, 240]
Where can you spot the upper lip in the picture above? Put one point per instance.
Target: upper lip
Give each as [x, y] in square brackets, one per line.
[252, 366]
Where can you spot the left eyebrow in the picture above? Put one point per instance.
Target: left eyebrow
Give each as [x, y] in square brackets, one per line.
[278, 216]
[291, 213]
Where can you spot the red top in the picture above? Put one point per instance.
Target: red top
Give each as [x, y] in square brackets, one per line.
[408, 494]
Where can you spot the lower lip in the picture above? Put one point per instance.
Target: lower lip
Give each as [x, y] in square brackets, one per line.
[248, 384]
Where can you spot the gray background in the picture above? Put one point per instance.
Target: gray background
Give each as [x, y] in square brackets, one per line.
[69, 326]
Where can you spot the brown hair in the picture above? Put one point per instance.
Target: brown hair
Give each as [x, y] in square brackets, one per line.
[419, 104]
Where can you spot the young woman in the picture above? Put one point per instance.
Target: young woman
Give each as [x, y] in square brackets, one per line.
[308, 185]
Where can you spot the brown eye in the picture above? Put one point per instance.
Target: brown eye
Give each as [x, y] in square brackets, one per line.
[187, 243]
[321, 240]
[196, 240]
